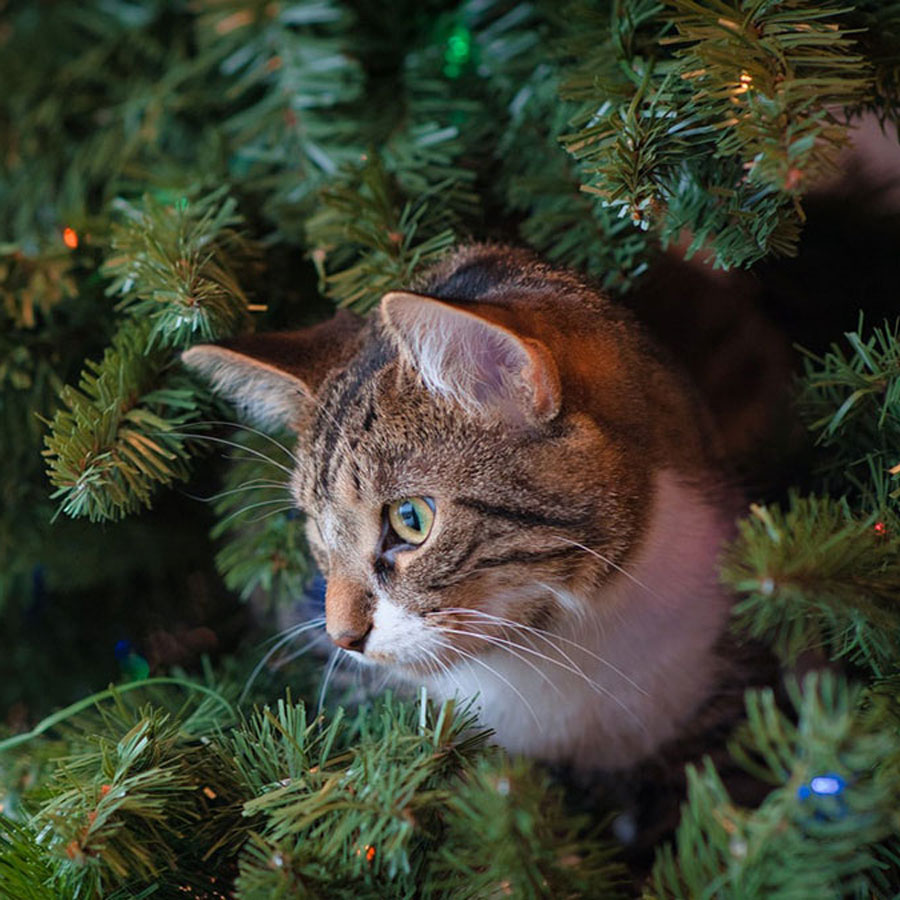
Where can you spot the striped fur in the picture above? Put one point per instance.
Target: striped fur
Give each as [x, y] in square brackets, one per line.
[569, 576]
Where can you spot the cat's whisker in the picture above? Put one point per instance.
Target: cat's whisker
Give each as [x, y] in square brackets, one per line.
[568, 602]
[496, 674]
[241, 447]
[296, 654]
[549, 637]
[293, 630]
[511, 648]
[571, 605]
[333, 663]
[433, 663]
[383, 682]
[268, 515]
[611, 564]
[280, 641]
[465, 659]
[244, 509]
[444, 668]
[243, 426]
[236, 458]
[257, 484]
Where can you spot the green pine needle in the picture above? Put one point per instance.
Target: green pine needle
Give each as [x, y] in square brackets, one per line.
[117, 437]
[717, 118]
[850, 397]
[173, 265]
[263, 544]
[799, 842]
[813, 576]
[369, 240]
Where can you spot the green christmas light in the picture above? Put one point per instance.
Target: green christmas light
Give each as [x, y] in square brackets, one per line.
[458, 52]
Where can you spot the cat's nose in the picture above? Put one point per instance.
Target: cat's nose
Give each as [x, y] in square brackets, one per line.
[352, 640]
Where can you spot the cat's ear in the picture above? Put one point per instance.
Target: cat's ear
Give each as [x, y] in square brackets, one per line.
[483, 366]
[272, 378]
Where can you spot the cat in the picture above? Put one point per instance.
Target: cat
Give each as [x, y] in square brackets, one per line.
[514, 494]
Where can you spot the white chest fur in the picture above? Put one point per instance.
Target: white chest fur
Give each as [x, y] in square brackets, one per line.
[622, 671]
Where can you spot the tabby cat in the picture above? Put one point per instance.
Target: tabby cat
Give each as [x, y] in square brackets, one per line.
[513, 494]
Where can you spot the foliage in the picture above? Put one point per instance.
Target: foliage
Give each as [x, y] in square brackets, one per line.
[825, 829]
[263, 547]
[107, 453]
[816, 576]
[716, 118]
[852, 401]
[182, 172]
[175, 268]
[375, 802]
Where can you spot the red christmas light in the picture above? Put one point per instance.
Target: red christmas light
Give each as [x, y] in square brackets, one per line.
[70, 238]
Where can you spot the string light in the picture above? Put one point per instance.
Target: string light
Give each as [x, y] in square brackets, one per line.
[828, 784]
[70, 238]
[745, 82]
[458, 52]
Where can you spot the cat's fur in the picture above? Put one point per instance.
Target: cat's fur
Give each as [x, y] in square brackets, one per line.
[569, 577]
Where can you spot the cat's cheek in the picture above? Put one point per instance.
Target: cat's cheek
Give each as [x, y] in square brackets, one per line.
[398, 637]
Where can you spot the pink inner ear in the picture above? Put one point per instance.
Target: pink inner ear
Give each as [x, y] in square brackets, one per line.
[482, 366]
[497, 364]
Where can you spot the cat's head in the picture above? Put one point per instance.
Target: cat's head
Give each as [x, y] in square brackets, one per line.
[461, 463]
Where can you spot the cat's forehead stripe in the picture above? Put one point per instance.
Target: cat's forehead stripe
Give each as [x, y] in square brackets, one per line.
[343, 399]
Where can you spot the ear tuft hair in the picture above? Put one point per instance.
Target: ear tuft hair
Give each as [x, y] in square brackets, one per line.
[485, 368]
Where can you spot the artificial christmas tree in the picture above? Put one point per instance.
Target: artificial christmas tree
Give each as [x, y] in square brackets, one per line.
[175, 173]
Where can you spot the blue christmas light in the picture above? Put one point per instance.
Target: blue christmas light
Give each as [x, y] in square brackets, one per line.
[828, 784]
[123, 649]
[134, 667]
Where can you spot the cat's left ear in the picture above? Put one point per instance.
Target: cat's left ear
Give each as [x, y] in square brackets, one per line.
[273, 378]
[486, 368]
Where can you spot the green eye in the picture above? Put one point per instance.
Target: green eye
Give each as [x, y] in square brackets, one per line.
[411, 518]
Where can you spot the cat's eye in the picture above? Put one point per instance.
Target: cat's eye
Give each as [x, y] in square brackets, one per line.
[411, 518]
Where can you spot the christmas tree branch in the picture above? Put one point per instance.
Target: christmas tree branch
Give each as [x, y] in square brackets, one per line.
[119, 435]
[175, 266]
[369, 240]
[824, 831]
[851, 398]
[725, 114]
[814, 576]
[107, 454]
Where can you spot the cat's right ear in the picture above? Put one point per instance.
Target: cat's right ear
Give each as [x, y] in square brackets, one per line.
[272, 378]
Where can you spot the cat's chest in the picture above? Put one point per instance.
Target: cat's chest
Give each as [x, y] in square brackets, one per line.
[624, 669]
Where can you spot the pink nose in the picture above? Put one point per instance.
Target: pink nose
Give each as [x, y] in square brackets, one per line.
[352, 640]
